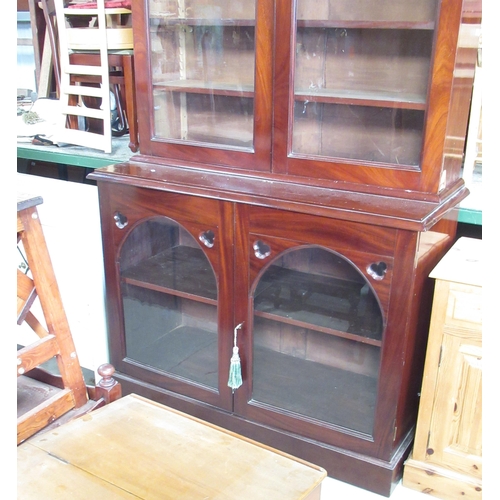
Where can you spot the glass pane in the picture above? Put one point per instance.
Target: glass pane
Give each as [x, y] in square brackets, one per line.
[361, 77]
[375, 134]
[203, 61]
[169, 302]
[317, 336]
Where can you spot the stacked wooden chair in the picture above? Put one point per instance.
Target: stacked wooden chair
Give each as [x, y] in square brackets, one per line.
[87, 63]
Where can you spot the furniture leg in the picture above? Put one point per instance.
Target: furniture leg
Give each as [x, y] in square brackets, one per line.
[128, 73]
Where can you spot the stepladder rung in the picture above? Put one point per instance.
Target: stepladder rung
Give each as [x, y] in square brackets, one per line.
[26, 295]
[88, 139]
[84, 90]
[78, 69]
[36, 353]
[92, 11]
[25, 285]
[99, 114]
[44, 413]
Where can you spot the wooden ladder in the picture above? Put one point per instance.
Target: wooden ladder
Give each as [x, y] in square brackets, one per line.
[55, 339]
[97, 37]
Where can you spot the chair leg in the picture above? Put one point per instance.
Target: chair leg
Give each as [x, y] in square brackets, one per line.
[131, 108]
[120, 128]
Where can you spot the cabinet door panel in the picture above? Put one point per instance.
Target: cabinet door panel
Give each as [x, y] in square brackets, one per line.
[170, 272]
[205, 73]
[360, 89]
[311, 346]
[455, 430]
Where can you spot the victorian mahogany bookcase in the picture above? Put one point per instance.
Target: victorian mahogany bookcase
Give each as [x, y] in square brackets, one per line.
[298, 175]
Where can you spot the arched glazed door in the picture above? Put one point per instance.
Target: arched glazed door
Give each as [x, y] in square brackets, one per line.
[169, 293]
[317, 332]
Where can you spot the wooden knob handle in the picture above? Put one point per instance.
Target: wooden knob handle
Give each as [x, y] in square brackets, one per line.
[106, 371]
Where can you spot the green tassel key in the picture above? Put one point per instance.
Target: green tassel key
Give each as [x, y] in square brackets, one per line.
[235, 380]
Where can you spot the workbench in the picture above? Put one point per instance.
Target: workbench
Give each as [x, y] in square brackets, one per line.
[136, 448]
[77, 156]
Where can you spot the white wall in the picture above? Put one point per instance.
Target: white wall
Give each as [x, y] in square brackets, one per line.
[25, 71]
[70, 220]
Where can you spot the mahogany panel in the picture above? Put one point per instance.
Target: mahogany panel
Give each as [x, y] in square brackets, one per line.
[147, 202]
[381, 210]
[322, 231]
[441, 81]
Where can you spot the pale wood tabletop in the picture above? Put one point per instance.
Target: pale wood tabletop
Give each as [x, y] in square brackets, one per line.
[136, 448]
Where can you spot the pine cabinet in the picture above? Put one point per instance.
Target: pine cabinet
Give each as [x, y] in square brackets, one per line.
[294, 179]
[446, 461]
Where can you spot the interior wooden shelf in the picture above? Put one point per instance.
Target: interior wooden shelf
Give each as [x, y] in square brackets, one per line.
[324, 304]
[204, 87]
[365, 24]
[327, 96]
[365, 98]
[168, 20]
[318, 328]
[172, 272]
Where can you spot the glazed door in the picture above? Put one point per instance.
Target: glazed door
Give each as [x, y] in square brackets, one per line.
[204, 80]
[359, 94]
[315, 325]
[170, 277]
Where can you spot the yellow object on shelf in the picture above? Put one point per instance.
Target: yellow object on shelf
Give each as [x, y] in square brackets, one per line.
[84, 39]
[118, 30]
